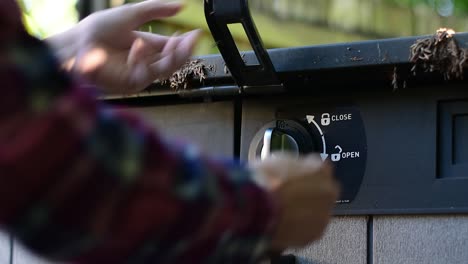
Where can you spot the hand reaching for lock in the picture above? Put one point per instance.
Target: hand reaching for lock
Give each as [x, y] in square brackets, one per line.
[305, 190]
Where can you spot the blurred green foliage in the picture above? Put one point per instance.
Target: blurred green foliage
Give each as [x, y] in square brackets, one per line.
[43, 18]
[459, 6]
[283, 23]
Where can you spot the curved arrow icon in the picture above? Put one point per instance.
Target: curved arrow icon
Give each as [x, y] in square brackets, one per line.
[311, 120]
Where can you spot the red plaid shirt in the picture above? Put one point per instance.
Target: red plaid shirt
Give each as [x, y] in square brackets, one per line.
[83, 182]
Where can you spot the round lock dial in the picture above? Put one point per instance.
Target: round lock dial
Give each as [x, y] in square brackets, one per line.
[283, 136]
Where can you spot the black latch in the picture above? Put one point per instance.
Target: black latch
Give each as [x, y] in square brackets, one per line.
[250, 78]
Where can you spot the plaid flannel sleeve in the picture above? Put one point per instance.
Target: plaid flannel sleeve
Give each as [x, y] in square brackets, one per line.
[83, 182]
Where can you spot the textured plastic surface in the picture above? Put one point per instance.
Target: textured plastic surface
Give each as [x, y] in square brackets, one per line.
[428, 240]
[345, 242]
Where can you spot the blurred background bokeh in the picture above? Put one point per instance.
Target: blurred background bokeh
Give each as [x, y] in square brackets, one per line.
[282, 23]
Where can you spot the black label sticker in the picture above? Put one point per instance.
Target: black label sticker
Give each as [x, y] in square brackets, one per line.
[340, 138]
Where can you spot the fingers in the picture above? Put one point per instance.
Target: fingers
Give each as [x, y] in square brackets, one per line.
[285, 166]
[165, 66]
[141, 54]
[313, 161]
[324, 174]
[137, 52]
[306, 197]
[149, 10]
[154, 57]
[310, 170]
[176, 52]
[329, 188]
[156, 41]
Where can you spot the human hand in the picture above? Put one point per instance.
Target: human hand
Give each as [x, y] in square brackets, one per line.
[306, 193]
[106, 49]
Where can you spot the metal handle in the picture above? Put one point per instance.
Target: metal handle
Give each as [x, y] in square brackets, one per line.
[275, 141]
[266, 149]
[219, 14]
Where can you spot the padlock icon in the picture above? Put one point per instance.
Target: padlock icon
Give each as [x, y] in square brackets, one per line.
[337, 156]
[326, 120]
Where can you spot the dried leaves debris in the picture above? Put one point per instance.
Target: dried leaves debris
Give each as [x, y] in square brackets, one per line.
[396, 79]
[441, 53]
[191, 70]
[438, 53]
[194, 70]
